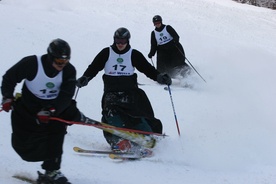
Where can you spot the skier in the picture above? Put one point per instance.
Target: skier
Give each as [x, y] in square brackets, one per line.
[170, 53]
[49, 85]
[123, 103]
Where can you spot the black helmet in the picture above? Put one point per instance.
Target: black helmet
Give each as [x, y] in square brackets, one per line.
[122, 33]
[60, 49]
[157, 18]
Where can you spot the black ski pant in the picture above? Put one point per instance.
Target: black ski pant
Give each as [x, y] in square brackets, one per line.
[34, 141]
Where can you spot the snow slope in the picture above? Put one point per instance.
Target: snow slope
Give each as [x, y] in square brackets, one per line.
[227, 125]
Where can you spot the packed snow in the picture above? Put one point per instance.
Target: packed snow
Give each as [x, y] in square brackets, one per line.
[227, 124]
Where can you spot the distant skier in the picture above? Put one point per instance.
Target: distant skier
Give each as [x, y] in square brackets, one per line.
[123, 103]
[170, 53]
[49, 85]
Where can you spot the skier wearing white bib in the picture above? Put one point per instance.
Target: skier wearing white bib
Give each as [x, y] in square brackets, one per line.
[123, 103]
[170, 53]
[48, 88]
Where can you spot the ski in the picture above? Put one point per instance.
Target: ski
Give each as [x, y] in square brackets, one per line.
[117, 155]
[81, 150]
[124, 157]
[25, 179]
[145, 139]
[135, 156]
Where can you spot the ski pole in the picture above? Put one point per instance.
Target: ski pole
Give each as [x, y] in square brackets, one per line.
[195, 70]
[190, 64]
[169, 89]
[76, 94]
[152, 62]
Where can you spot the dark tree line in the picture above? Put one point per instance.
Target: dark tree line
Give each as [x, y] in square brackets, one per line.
[261, 3]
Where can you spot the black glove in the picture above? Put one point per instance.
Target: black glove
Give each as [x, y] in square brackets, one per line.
[44, 116]
[150, 55]
[82, 81]
[164, 79]
[87, 120]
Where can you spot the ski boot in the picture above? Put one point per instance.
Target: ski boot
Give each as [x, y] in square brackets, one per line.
[122, 145]
[52, 177]
[126, 146]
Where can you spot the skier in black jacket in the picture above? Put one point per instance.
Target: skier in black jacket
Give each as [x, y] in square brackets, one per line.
[170, 53]
[48, 88]
[123, 103]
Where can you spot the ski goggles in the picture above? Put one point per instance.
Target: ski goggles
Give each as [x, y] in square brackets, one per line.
[156, 23]
[61, 62]
[120, 40]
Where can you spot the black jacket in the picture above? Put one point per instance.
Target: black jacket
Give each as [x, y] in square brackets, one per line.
[167, 46]
[26, 68]
[137, 59]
